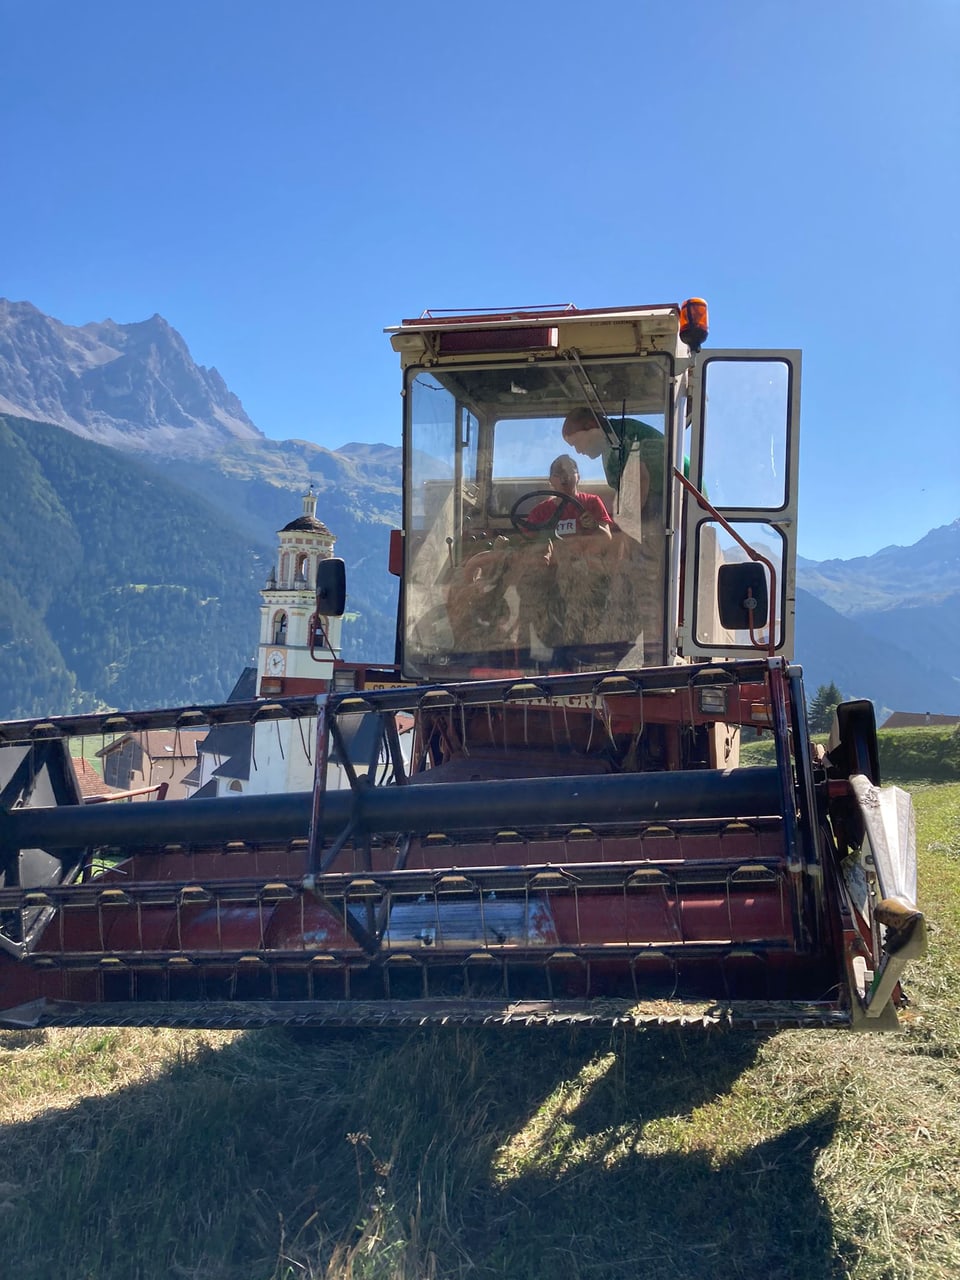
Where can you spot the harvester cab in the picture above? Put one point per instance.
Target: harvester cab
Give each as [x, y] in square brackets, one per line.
[597, 565]
[504, 573]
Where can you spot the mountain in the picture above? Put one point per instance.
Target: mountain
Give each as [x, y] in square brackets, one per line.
[893, 577]
[926, 630]
[832, 647]
[134, 386]
[901, 607]
[132, 571]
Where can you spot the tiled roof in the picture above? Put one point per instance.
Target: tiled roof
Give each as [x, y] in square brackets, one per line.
[160, 744]
[91, 784]
[917, 719]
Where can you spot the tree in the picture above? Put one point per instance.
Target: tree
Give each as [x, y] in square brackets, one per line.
[822, 706]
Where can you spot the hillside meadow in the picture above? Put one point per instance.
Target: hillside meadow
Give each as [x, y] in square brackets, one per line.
[143, 1155]
[907, 756]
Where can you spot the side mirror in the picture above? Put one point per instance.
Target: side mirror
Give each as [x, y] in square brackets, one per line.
[395, 563]
[742, 596]
[856, 749]
[331, 588]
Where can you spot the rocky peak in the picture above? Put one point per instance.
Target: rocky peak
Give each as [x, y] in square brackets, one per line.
[134, 386]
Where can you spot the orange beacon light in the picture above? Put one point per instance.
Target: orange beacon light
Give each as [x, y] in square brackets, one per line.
[693, 323]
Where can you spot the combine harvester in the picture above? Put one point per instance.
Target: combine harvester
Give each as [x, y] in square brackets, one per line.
[569, 836]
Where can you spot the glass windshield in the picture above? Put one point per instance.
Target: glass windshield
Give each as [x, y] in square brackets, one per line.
[535, 517]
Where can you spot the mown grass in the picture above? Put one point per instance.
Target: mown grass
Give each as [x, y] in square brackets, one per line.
[135, 1155]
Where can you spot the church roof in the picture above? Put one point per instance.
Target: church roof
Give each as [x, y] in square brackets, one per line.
[306, 524]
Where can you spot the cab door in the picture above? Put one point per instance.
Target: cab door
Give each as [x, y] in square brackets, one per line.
[744, 458]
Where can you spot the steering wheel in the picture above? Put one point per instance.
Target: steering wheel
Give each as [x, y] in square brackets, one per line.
[524, 523]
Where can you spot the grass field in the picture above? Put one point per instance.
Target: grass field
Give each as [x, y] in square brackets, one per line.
[140, 1155]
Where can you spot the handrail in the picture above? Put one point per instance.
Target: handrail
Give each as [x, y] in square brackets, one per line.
[708, 506]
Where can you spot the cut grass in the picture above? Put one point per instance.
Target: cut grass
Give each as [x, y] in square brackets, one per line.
[135, 1155]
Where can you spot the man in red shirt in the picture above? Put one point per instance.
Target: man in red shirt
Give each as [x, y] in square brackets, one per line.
[586, 514]
[553, 573]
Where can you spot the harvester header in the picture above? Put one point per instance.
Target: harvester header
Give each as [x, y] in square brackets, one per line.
[538, 812]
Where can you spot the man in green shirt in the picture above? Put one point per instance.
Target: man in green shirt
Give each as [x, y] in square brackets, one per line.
[583, 432]
[643, 585]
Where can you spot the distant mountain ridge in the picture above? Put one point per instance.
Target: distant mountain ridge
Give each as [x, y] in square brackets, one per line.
[893, 576]
[903, 602]
[881, 627]
[832, 647]
[133, 386]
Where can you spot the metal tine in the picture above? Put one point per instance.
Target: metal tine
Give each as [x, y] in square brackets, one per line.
[688, 701]
[308, 755]
[395, 757]
[608, 722]
[726, 889]
[345, 761]
[593, 721]
[419, 718]
[377, 745]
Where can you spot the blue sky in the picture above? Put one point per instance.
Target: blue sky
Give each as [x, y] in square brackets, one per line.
[281, 181]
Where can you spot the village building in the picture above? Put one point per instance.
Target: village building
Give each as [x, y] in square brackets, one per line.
[223, 757]
[145, 761]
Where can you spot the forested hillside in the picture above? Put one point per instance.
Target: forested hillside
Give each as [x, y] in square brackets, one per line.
[834, 647]
[119, 588]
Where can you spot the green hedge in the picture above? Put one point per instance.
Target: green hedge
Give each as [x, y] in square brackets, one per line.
[920, 755]
[909, 755]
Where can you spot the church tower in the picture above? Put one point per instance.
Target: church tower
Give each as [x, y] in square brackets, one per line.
[288, 622]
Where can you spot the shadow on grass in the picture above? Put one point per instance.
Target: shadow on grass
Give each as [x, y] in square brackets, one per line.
[626, 1181]
[443, 1153]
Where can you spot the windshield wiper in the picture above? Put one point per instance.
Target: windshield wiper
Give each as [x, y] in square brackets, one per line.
[592, 396]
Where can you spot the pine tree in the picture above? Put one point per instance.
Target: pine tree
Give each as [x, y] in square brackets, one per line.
[821, 707]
